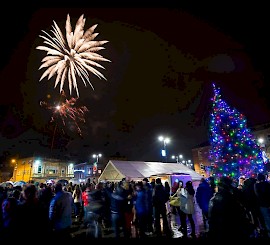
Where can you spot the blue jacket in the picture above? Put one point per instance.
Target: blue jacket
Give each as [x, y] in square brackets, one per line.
[203, 195]
[60, 211]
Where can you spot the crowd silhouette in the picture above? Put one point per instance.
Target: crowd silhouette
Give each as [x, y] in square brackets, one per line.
[138, 209]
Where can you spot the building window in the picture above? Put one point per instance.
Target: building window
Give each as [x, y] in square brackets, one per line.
[39, 169]
[70, 169]
[89, 171]
[51, 171]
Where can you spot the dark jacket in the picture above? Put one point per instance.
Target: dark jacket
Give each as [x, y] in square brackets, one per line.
[203, 195]
[60, 210]
[96, 201]
[262, 191]
[118, 200]
[227, 217]
[160, 196]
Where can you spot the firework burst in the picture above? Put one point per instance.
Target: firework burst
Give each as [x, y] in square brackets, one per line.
[67, 111]
[72, 57]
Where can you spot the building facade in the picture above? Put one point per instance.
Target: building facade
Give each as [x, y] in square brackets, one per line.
[200, 159]
[41, 169]
[86, 171]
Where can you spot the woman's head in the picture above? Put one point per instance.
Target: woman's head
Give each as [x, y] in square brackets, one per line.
[189, 188]
[181, 184]
[189, 183]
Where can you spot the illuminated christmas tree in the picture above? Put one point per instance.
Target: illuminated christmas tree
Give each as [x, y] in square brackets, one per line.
[234, 151]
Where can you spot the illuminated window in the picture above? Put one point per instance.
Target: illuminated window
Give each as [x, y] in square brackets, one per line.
[51, 171]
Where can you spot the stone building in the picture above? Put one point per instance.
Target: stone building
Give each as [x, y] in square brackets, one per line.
[41, 169]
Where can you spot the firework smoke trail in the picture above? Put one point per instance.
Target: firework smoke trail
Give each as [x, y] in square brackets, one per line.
[67, 110]
[73, 56]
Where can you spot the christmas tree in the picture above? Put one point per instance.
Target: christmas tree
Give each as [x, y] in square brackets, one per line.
[234, 151]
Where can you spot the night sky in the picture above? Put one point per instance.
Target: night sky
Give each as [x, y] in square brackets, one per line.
[163, 62]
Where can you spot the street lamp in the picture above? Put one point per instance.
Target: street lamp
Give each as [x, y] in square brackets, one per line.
[187, 163]
[177, 158]
[261, 140]
[165, 141]
[97, 156]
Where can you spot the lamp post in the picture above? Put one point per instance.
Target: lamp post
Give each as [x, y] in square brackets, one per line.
[187, 163]
[165, 141]
[97, 156]
[177, 158]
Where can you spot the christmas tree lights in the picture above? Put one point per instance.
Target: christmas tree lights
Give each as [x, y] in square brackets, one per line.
[234, 151]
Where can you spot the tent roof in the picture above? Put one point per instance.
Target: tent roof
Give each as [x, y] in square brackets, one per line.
[116, 170]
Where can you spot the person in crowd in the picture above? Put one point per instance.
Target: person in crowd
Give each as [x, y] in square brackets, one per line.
[176, 209]
[85, 202]
[77, 199]
[9, 214]
[187, 209]
[107, 191]
[118, 200]
[16, 193]
[128, 207]
[150, 209]
[45, 195]
[141, 209]
[95, 211]
[203, 195]
[168, 190]
[153, 183]
[241, 181]
[160, 197]
[262, 192]
[227, 217]
[60, 213]
[251, 203]
[212, 183]
[28, 216]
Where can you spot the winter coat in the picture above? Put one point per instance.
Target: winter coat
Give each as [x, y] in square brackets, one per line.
[203, 195]
[60, 211]
[141, 203]
[227, 217]
[262, 191]
[186, 201]
[160, 196]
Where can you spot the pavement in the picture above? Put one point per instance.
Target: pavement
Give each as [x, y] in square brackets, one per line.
[80, 232]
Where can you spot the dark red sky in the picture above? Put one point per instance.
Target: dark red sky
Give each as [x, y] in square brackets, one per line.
[159, 81]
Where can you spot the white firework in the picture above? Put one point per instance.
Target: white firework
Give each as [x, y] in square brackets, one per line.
[75, 56]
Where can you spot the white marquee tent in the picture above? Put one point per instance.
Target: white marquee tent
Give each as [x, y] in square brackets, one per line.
[115, 170]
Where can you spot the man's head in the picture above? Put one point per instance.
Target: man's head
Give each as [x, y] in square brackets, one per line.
[261, 177]
[145, 180]
[158, 180]
[58, 187]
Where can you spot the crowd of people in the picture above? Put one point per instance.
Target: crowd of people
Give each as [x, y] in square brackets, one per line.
[228, 210]
[239, 210]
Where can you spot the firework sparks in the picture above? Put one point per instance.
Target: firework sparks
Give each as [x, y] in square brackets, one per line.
[75, 56]
[67, 111]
